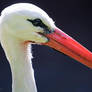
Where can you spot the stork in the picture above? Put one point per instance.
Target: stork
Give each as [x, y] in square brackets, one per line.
[23, 24]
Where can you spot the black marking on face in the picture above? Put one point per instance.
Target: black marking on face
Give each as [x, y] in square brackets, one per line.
[38, 23]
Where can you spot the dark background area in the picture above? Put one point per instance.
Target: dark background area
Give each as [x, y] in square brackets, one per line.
[55, 72]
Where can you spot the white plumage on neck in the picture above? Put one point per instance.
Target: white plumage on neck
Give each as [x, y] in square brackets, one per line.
[20, 61]
[15, 31]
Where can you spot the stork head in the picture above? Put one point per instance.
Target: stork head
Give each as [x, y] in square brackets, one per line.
[27, 22]
[30, 23]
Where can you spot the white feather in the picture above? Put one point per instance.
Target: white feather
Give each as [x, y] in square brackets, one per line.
[15, 30]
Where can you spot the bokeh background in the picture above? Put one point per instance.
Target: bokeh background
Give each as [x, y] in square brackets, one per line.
[55, 72]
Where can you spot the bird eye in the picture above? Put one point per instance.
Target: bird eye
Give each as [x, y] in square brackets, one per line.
[36, 22]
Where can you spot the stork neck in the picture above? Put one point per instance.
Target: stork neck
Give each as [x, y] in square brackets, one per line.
[19, 57]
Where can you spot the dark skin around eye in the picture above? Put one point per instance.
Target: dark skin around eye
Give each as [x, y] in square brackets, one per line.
[38, 23]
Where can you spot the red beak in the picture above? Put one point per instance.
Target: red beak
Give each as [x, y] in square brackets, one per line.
[67, 45]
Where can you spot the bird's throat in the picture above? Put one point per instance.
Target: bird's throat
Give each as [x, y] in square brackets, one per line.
[19, 57]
